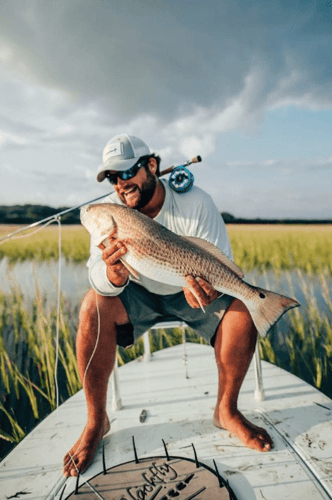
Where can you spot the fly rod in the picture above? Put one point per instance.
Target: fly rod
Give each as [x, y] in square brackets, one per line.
[173, 168]
[196, 159]
[55, 217]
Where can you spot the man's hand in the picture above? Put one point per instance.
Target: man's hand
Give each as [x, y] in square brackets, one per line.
[199, 289]
[117, 273]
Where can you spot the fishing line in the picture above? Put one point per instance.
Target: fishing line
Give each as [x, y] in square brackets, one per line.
[58, 316]
[57, 342]
[97, 341]
[57, 218]
[87, 367]
[53, 217]
[57, 335]
[12, 236]
[83, 385]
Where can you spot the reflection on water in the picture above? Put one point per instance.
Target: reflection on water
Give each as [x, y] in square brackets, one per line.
[75, 283]
[296, 284]
[25, 276]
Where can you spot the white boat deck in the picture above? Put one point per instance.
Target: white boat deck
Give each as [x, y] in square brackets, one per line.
[179, 410]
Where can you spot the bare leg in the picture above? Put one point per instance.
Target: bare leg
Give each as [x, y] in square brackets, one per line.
[111, 312]
[234, 347]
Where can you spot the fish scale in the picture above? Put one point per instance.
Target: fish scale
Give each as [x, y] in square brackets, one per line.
[163, 256]
[173, 253]
[159, 244]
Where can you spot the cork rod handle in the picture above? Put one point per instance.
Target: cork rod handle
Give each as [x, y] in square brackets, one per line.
[196, 159]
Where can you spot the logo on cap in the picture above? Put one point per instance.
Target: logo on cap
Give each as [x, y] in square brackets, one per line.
[113, 150]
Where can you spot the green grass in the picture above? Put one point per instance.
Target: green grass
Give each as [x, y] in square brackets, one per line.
[306, 347]
[43, 245]
[282, 247]
[27, 361]
[277, 247]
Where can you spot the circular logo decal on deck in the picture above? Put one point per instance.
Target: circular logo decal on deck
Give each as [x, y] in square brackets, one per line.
[156, 478]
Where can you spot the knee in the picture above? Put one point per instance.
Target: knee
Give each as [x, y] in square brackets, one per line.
[236, 328]
[90, 315]
[238, 315]
[108, 308]
[88, 306]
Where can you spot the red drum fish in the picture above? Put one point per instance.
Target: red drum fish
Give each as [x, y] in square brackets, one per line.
[163, 256]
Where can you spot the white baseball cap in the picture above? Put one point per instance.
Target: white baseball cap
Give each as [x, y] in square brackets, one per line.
[120, 153]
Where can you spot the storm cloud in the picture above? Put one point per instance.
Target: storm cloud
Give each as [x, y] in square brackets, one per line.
[167, 58]
[179, 74]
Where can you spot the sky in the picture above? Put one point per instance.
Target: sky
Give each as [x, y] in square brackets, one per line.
[245, 84]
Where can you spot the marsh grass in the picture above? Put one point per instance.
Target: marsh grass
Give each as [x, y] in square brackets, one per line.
[263, 247]
[303, 345]
[282, 247]
[27, 362]
[42, 245]
[302, 342]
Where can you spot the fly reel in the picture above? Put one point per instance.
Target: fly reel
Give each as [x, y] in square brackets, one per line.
[181, 179]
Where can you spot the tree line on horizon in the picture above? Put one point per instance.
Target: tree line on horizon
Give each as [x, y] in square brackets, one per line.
[28, 214]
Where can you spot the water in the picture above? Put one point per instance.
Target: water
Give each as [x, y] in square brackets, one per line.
[75, 283]
[25, 276]
[296, 284]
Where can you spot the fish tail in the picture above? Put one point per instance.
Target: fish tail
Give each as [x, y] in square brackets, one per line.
[268, 308]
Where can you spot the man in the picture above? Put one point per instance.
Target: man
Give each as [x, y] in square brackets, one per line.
[127, 307]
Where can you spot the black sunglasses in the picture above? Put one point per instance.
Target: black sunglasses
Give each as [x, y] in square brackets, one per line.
[128, 174]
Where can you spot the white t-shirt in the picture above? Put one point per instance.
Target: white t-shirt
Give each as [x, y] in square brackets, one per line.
[187, 214]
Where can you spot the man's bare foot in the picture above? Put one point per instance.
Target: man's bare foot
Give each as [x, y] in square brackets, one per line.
[251, 435]
[78, 459]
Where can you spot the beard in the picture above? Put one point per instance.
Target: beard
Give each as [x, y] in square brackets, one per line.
[144, 193]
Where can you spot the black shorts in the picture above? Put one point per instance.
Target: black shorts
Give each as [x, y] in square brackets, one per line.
[145, 309]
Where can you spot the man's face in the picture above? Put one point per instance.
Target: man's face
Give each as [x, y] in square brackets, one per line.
[137, 191]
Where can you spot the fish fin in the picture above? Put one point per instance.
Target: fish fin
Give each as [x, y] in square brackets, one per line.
[268, 308]
[197, 298]
[217, 253]
[132, 271]
[103, 238]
